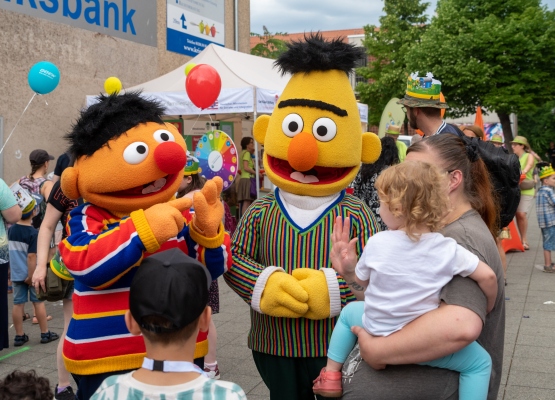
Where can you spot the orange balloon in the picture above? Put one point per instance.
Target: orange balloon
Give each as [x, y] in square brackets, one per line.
[442, 99]
[419, 132]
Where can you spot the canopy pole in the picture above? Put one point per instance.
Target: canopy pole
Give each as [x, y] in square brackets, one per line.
[256, 160]
[236, 25]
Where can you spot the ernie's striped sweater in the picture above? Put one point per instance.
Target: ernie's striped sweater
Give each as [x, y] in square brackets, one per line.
[267, 236]
[102, 253]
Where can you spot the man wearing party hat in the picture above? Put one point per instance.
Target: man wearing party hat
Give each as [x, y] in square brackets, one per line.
[393, 132]
[545, 210]
[423, 104]
[281, 267]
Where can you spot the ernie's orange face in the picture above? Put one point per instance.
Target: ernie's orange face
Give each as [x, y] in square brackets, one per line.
[140, 168]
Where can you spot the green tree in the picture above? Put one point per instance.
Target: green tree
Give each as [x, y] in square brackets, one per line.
[499, 54]
[539, 127]
[270, 45]
[400, 29]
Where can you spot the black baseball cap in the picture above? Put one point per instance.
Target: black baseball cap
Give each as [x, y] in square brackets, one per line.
[40, 156]
[171, 285]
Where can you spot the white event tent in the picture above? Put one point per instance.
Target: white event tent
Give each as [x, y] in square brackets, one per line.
[250, 84]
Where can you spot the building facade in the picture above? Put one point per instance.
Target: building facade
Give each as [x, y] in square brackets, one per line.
[88, 41]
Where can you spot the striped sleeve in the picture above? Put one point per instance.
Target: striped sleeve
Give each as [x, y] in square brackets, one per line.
[245, 270]
[100, 248]
[217, 259]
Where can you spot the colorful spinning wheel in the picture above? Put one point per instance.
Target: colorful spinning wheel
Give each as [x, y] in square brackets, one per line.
[217, 156]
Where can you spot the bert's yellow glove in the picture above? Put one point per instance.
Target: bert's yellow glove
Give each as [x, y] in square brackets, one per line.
[315, 284]
[283, 296]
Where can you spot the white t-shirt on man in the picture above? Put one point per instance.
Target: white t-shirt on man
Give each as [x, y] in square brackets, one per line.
[407, 276]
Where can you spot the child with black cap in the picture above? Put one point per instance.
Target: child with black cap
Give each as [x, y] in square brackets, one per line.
[168, 305]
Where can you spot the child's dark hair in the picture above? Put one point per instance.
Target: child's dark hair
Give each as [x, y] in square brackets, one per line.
[197, 183]
[21, 385]
[108, 119]
[165, 338]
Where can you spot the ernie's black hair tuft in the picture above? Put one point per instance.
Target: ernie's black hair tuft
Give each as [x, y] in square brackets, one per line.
[108, 119]
[316, 54]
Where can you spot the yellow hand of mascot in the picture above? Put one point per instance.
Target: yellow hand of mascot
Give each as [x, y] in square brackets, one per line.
[313, 148]
[128, 164]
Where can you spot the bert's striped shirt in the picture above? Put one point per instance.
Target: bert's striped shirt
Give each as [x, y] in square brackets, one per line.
[267, 236]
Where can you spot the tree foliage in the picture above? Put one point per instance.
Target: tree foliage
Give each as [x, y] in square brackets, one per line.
[400, 30]
[539, 127]
[499, 54]
[270, 46]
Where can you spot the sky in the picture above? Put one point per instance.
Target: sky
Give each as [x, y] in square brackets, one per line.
[294, 16]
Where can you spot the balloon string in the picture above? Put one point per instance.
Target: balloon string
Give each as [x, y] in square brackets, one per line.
[193, 125]
[11, 133]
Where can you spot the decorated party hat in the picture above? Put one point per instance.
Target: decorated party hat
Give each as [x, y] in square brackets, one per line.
[192, 166]
[423, 92]
[546, 171]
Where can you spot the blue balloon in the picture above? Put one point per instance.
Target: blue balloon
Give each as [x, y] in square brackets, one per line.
[43, 77]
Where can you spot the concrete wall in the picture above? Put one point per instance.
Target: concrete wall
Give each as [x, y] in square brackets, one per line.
[85, 59]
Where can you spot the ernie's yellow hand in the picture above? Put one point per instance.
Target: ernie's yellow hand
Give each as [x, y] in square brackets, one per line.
[315, 284]
[284, 297]
[160, 222]
[209, 209]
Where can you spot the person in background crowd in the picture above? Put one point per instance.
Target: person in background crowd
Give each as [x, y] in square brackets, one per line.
[246, 165]
[36, 182]
[551, 153]
[424, 113]
[22, 239]
[192, 183]
[393, 132]
[366, 178]
[62, 163]
[472, 131]
[58, 209]
[545, 210]
[10, 213]
[461, 317]
[521, 148]
[497, 140]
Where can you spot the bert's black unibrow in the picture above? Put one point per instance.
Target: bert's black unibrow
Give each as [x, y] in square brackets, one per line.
[322, 105]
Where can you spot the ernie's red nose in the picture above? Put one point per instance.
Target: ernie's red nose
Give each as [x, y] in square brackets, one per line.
[170, 157]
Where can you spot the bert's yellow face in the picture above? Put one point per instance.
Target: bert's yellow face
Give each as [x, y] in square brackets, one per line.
[140, 168]
[313, 142]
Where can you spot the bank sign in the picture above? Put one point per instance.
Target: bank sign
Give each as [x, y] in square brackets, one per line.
[133, 20]
[194, 24]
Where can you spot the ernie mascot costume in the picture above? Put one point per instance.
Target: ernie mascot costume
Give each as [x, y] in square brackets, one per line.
[128, 166]
[313, 147]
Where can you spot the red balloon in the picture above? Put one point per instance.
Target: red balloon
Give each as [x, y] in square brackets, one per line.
[203, 85]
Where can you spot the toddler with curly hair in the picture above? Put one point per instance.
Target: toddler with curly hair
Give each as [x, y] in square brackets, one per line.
[402, 271]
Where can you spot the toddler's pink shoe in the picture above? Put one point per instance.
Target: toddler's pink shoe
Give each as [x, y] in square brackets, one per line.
[328, 384]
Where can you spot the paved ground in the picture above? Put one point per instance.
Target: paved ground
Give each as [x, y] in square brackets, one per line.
[529, 339]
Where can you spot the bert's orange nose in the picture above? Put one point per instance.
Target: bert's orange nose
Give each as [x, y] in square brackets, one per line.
[303, 152]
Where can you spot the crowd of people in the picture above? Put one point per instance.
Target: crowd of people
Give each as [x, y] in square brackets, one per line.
[418, 244]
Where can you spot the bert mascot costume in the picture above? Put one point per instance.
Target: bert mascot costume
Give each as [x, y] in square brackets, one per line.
[313, 147]
[128, 166]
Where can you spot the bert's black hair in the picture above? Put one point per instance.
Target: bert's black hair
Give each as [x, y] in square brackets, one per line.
[108, 119]
[317, 54]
